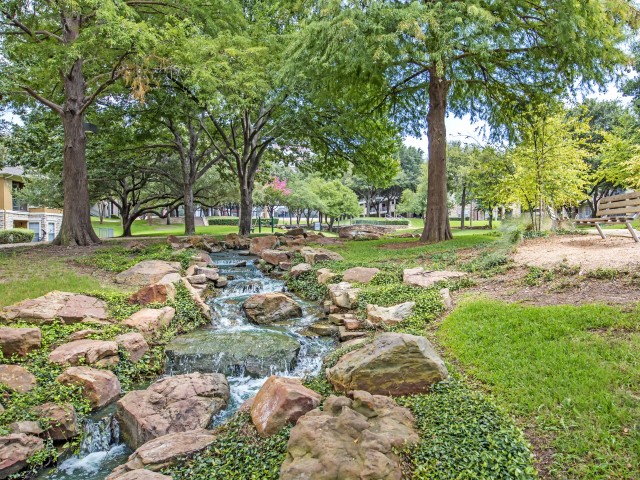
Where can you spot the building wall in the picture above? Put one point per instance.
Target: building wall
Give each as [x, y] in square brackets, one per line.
[5, 194]
[8, 219]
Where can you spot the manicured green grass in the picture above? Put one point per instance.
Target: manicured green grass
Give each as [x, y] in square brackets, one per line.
[22, 278]
[571, 372]
[142, 228]
[374, 251]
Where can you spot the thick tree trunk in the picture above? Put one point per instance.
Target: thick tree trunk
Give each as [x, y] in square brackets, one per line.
[436, 227]
[189, 211]
[126, 228]
[246, 207]
[76, 228]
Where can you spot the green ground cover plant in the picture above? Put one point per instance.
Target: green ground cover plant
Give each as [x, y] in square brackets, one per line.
[571, 372]
[19, 406]
[239, 453]
[465, 436]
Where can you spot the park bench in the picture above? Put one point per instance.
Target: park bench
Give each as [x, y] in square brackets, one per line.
[622, 208]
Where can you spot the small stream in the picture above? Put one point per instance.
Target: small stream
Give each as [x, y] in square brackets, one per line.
[246, 353]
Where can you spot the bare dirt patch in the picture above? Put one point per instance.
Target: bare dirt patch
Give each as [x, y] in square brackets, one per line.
[511, 286]
[589, 251]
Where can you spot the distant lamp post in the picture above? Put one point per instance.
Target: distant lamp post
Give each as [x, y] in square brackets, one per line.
[90, 127]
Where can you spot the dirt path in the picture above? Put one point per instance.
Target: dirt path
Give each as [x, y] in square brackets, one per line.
[589, 251]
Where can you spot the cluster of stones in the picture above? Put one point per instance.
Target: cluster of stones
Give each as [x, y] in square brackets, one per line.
[359, 434]
[170, 406]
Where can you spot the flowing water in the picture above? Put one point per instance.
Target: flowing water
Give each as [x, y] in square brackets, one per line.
[246, 353]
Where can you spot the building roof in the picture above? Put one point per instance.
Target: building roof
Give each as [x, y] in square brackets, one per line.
[10, 171]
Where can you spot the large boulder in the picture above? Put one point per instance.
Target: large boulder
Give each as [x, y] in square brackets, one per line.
[281, 401]
[19, 341]
[419, 277]
[147, 272]
[15, 450]
[100, 387]
[315, 255]
[17, 378]
[171, 405]
[344, 295]
[60, 419]
[266, 308]
[258, 244]
[274, 257]
[64, 306]
[389, 315]
[90, 352]
[233, 241]
[134, 344]
[300, 269]
[150, 321]
[211, 274]
[360, 274]
[392, 364]
[164, 451]
[350, 439]
[195, 296]
[364, 232]
[160, 292]
[324, 276]
[246, 352]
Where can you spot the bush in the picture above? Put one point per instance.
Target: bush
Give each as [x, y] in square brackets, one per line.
[16, 235]
[380, 221]
[229, 221]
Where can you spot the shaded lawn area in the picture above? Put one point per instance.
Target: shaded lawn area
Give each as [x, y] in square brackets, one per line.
[393, 249]
[572, 373]
[143, 229]
[24, 275]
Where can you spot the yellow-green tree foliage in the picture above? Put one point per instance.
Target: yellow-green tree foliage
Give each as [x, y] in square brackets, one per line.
[548, 167]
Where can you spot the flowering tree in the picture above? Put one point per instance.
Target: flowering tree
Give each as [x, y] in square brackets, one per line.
[272, 194]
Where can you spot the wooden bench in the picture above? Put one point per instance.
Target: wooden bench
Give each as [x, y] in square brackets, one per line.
[622, 208]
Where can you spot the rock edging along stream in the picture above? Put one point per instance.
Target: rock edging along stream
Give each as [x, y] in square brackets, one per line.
[243, 352]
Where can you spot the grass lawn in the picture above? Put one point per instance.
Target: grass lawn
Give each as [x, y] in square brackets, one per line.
[570, 372]
[379, 251]
[142, 228]
[21, 278]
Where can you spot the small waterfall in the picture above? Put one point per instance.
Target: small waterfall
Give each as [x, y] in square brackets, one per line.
[100, 451]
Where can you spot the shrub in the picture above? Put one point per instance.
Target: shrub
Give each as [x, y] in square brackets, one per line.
[229, 221]
[380, 221]
[16, 235]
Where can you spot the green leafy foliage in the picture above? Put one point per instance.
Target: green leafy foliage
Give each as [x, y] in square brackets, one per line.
[231, 221]
[188, 315]
[16, 235]
[380, 221]
[465, 436]
[428, 304]
[307, 286]
[488, 263]
[238, 453]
